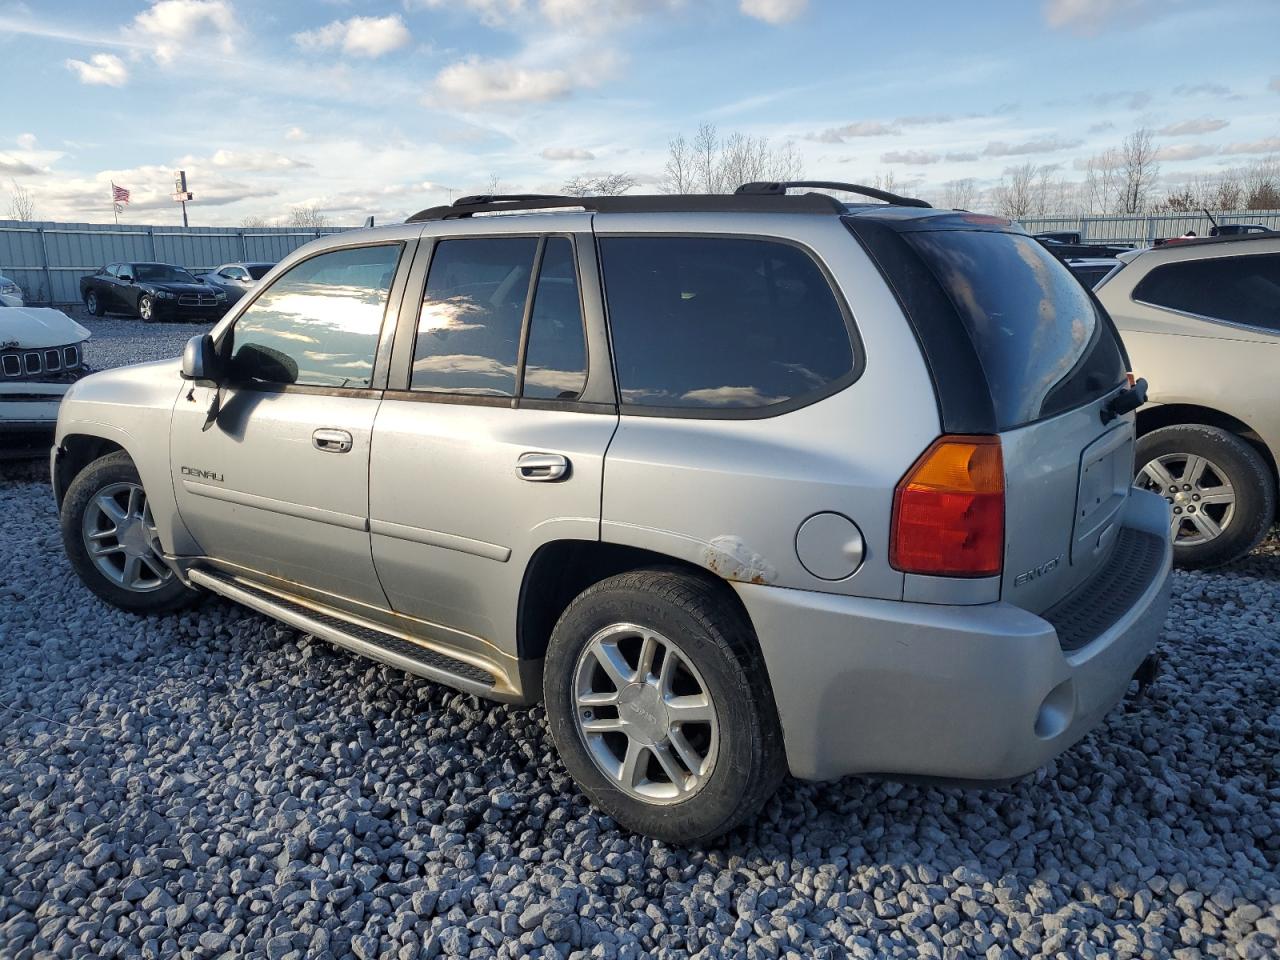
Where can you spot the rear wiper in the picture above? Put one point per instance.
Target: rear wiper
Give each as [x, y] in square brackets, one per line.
[1126, 401]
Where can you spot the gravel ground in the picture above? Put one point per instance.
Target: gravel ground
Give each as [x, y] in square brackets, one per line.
[117, 341]
[216, 784]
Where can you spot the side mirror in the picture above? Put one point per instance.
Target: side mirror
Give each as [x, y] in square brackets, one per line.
[200, 359]
[126, 278]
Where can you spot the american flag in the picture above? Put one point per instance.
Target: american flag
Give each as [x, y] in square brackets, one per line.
[119, 194]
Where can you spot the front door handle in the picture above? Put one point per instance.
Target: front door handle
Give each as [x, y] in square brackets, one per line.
[329, 440]
[542, 467]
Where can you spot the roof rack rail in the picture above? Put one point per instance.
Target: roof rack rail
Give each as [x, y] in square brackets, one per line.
[740, 202]
[774, 188]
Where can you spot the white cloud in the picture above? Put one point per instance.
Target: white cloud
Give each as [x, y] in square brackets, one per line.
[583, 15]
[913, 157]
[169, 26]
[1198, 125]
[1267, 145]
[259, 161]
[1091, 16]
[358, 36]
[773, 11]
[859, 128]
[475, 81]
[27, 141]
[999, 148]
[567, 153]
[102, 69]
[295, 133]
[12, 166]
[492, 12]
[1185, 151]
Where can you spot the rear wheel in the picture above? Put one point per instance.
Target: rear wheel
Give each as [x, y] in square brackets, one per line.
[146, 308]
[659, 705]
[110, 538]
[1219, 489]
[93, 304]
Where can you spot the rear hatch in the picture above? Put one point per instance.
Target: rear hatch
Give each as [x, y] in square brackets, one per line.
[1050, 360]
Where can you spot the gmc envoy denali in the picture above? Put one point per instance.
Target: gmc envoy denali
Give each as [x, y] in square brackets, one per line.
[734, 485]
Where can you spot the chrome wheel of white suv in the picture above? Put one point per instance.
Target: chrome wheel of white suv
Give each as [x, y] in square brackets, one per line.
[644, 712]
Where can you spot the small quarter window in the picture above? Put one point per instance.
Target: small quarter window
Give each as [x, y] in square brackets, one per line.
[318, 323]
[1236, 289]
[556, 358]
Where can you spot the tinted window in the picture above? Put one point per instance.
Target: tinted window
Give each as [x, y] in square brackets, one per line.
[318, 323]
[260, 270]
[1043, 346]
[111, 270]
[1236, 289]
[556, 357]
[1090, 276]
[472, 311]
[161, 273]
[711, 322]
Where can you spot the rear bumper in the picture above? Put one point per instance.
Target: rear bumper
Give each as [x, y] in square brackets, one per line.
[959, 692]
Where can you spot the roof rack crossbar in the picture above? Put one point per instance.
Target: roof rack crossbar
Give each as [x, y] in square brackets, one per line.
[775, 188]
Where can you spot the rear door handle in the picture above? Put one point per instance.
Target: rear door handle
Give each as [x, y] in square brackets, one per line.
[542, 467]
[329, 440]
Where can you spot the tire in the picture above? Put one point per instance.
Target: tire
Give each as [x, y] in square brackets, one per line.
[93, 304]
[1228, 460]
[742, 753]
[147, 308]
[114, 476]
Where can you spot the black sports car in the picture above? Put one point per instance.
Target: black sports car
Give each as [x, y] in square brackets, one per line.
[151, 291]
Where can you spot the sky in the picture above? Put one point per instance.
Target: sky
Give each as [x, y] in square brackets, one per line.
[382, 107]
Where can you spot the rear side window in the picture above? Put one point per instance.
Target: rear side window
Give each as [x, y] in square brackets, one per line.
[1043, 345]
[473, 312]
[1236, 289]
[715, 323]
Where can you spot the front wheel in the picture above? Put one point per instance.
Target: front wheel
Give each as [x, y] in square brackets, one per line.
[659, 705]
[93, 305]
[146, 308]
[1221, 493]
[110, 539]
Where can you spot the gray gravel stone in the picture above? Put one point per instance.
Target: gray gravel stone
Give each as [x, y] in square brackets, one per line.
[214, 784]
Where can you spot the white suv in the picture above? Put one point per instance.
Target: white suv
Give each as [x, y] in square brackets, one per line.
[734, 484]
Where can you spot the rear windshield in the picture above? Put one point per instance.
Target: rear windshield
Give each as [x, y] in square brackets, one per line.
[259, 270]
[1042, 344]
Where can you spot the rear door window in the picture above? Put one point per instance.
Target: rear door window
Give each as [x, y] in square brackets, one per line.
[556, 356]
[703, 324]
[1043, 345]
[1236, 289]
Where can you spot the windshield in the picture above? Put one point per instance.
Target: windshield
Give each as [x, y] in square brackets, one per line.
[1043, 345]
[161, 273]
[259, 270]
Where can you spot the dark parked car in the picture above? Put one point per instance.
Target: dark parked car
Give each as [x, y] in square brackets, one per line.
[1091, 270]
[236, 279]
[151, 291]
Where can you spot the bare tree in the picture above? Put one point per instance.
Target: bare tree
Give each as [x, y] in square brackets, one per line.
[494, 186]
[1228, 191]
[709, 164]
[254, 221]
[1139, 170]
[1015, 193]
[311, 217]
[1101, 182]
[22, 206]
[598, 185]
[1261, 186]
[959, 194]
[679, 176]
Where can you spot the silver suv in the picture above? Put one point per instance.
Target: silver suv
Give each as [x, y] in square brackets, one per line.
[734, 485]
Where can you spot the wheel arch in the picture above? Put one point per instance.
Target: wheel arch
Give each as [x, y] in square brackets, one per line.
[561, 569]
[74, 453]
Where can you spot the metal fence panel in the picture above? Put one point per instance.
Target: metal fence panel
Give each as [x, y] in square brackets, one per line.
[47, 259]
[1142, 229]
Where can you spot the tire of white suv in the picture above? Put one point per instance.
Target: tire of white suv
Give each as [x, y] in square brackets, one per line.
[660, 707]
[1221, 491]
[109, 536]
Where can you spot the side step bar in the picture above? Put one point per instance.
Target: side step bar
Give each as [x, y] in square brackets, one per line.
[356, 635]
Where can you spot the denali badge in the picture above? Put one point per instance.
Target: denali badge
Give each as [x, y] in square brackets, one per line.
[1039, 571]
[202, 474]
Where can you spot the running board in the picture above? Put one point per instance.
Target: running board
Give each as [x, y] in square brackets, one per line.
[357, 636]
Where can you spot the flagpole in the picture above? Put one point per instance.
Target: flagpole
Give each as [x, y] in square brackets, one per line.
[115, 207]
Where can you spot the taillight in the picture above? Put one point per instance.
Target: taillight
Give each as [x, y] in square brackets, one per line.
[948, 511]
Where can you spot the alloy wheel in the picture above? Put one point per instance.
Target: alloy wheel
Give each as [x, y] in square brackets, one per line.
[120, 537]
[645, 714]
[1198, 490]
